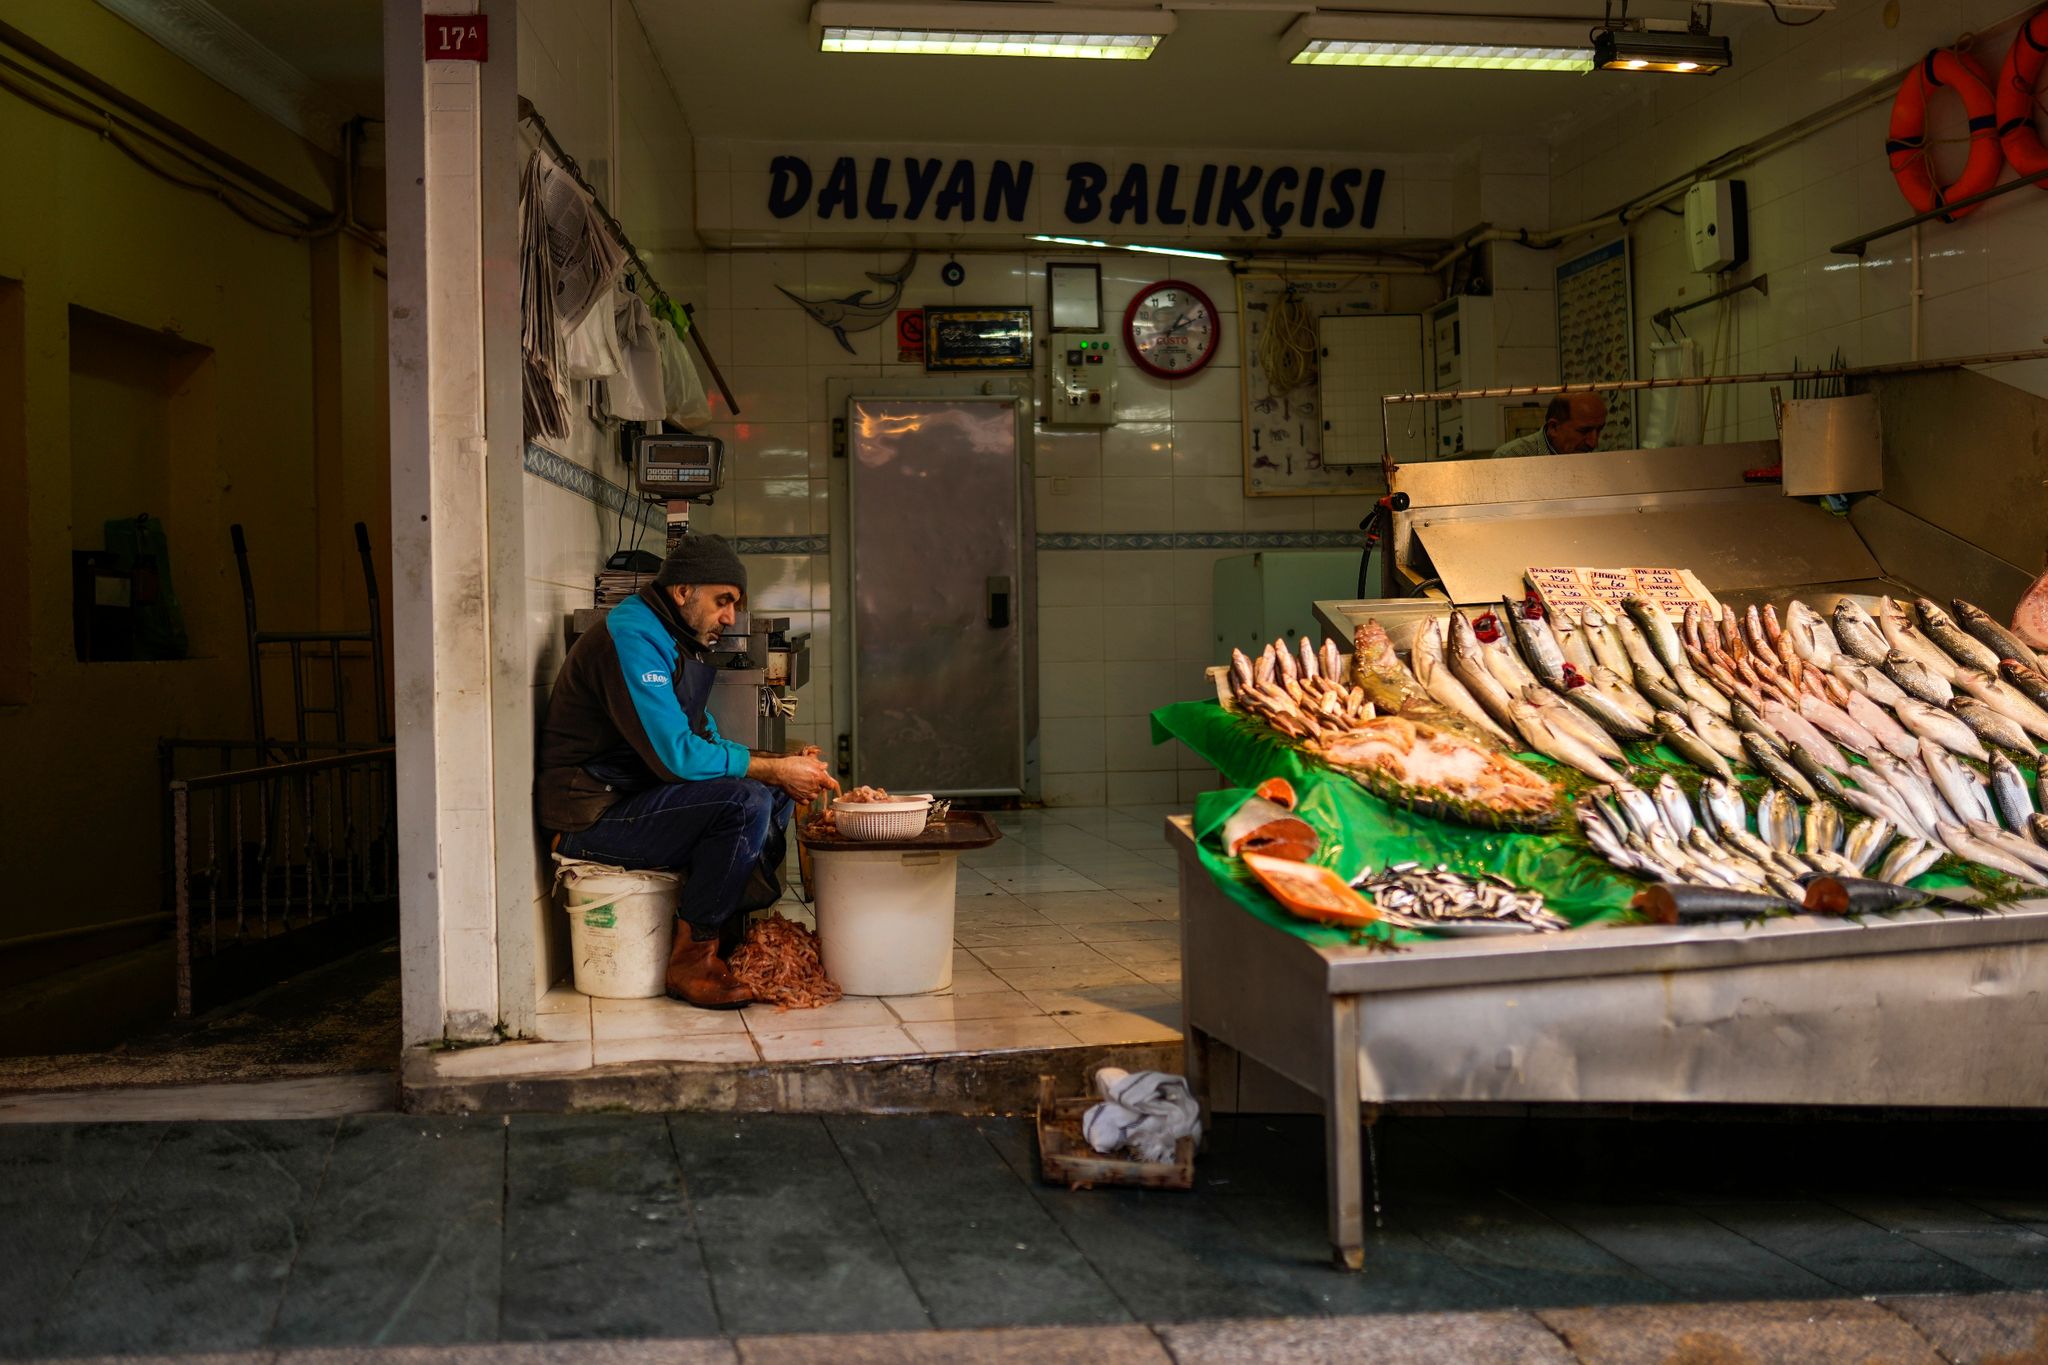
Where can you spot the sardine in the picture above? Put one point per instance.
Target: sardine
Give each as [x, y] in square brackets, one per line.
[1539, 646]
[2001, 641]
[2031, 682]
[1722, 737]
[1869, 680]
[1941, 727]
[1916, 679]
[1811, 638]
[1965, 845]
[1821, 828]
[1678, 736]
[1866, 840]
[2009, 793]
[1722, 807]
[1778, 821]
[1468, 666]
[1958, 785]
[1553, 743]
[2012, 845]
[1642, 658]
[1893, 736]
[1857, 630]
[1427, 662]
[1676, 903]
[1994, 727]
[1773, 762]
[1794, 728]
[1965, 648]
[1902, 635]
[1672, 805]
[2005, 699]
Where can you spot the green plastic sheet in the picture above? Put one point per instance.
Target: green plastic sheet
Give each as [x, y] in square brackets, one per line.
[1360, 831]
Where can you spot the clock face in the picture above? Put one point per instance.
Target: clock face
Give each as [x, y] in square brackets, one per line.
[1171, 329]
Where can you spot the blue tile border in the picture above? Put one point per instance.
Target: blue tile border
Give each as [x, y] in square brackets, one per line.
[1199, 540]
[565, 473]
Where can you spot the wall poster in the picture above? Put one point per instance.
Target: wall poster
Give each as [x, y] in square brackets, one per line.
[1596, 335]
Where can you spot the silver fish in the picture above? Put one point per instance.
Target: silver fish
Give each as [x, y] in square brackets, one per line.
[1879, 802]
[2009, 793]
[1571, 638]
[1642, 658]
[1894, 737]
[1952, 639]
[1916, 679]
[1638, 808]
[1995, 727]
[1722, 737]
[1868, 679]
[1778, 820]
[2001, 641]
[1722, 807]
[1606, 643]
[1822, 828]
[2037, 826]
[1553, 743]
[1866, 841]
[1539, 646]
[1901, 634]
[1502, 661]
[1941, 727]
[1837, 724]
[1900, 864]
[1673, 806]
[2031, 683]
[1794, 728]
[1914, 796]
[1815, 769]
[1698, 689]
[1427, 662]
[1857, 630]
[1773, 762]
[1573, 722]
[1619, 690]
[1658, 631]
[2012, 845]
[1749, 722]
[1963, 844]
[1606, 712]
[1958, 786]
[1678, 736]
[1661, 693]
[2005, 699]
[1705, 850]
[1811, 639]
[1468, 665]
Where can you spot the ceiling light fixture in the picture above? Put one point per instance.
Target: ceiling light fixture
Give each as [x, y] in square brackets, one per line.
[1467, 42]
[990, 28]
[1130, 246]
[1693, 52]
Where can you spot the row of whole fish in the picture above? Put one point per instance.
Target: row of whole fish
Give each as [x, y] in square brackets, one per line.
[1911, 697]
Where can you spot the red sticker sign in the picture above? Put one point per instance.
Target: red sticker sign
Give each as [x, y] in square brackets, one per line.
[458, 38]
[910, 334]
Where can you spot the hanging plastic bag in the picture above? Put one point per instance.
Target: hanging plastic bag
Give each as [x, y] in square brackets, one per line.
[590, 350]
[683, 391]
[634, 394]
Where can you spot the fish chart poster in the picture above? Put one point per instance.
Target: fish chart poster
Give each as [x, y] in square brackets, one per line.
[1596, 334]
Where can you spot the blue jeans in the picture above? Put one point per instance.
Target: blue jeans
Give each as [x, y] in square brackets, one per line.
[716, 832]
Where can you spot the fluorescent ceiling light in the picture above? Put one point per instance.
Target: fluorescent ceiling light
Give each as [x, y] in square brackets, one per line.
[1684, 54]
[990, 28]
[1457, 41]
[1129, 246]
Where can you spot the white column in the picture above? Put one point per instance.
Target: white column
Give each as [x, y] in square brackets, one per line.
[447, 124]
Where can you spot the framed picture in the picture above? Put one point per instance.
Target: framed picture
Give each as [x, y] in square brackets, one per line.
[973, 339]
[1073, 291]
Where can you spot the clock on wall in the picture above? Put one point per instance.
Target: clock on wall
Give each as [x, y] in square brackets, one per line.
[1171, 329]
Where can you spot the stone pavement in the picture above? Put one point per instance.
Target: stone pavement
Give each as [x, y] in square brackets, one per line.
[682, 1237]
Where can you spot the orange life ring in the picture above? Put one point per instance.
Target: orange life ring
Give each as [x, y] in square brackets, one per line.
[1907, 146]
[2016, 96]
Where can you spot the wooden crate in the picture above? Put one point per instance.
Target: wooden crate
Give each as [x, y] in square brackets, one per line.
[1065, 1158]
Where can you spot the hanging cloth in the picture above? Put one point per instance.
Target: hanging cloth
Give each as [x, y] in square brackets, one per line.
[546, 399]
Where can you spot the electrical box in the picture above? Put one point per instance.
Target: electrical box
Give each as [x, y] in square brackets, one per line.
[1462, 357]
[1717, 225]
[1080, 380]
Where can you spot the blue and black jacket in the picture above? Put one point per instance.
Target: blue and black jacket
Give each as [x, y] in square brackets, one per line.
[629, 711]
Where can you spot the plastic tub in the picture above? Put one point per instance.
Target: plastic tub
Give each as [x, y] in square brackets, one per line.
[885, 920]
[621, 926]
[901, 817]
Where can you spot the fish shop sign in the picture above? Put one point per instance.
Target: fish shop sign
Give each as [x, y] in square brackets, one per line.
[1211, 198]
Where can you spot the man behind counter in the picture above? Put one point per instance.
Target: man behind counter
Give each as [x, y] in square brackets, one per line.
[633, 771]
[1571, 424]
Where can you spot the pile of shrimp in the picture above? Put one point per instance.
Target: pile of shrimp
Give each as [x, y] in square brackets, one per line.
[780, 964]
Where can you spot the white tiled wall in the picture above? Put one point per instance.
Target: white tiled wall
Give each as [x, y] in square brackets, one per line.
[1985, 279]
[1120, 631]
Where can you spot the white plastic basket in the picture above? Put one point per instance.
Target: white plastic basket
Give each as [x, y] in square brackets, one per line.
[900, 818]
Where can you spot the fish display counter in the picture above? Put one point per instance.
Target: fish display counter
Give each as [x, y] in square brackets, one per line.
[1777, 836]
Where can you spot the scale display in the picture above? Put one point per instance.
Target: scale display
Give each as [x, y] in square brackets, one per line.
[678, 466]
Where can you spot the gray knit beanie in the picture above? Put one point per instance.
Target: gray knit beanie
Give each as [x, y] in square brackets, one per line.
[702, 559]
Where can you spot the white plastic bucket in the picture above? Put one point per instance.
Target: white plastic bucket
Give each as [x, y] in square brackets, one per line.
[621, 925]
[885, 920]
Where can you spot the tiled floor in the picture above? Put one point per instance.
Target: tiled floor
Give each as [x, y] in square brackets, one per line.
[1066, 934]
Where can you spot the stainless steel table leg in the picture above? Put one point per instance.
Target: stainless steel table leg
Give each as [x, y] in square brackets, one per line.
[1342, 1148]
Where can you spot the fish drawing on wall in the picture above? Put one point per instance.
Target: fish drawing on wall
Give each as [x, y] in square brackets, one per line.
[857, 312]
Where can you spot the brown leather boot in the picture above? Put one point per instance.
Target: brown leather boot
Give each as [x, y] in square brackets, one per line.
[697, 975]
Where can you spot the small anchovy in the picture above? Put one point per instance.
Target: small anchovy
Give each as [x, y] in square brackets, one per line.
[1440, 900]
[1773, 762]
[1958, 643]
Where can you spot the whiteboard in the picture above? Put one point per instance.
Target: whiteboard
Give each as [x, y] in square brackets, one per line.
[1363, 359]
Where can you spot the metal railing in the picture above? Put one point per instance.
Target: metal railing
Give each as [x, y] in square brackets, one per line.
[266, 861]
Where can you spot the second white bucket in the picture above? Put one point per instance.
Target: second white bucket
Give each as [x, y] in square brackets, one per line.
[621, 925]
[885, 920]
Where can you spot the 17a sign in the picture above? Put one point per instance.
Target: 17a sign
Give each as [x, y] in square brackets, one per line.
[458, 38]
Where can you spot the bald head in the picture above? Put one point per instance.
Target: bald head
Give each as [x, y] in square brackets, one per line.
[1573, 422]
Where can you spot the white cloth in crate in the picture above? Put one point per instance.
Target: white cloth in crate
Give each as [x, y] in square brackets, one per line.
[1146, 1111]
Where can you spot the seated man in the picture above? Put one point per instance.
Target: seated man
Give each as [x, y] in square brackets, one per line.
[1571, 424]
[633, 771]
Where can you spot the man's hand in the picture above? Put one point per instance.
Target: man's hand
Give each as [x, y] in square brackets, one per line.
[802, 775]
